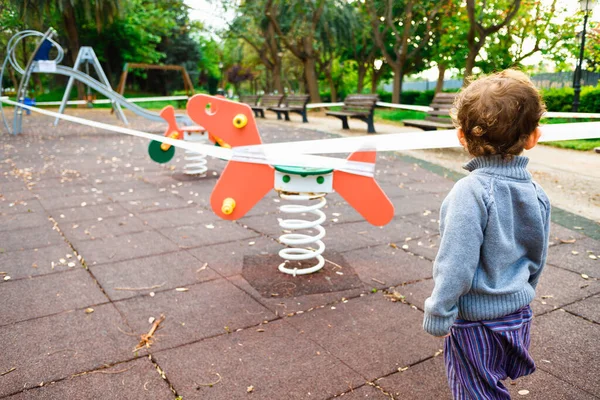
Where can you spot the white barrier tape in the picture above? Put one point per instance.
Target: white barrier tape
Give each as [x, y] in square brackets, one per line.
[107, 101]
[256, 155]
[296, 153]
[324, 105]
[416, 140]
[404, 106]
[555, 114]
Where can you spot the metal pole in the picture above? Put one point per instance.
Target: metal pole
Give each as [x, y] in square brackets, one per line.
[577, 80]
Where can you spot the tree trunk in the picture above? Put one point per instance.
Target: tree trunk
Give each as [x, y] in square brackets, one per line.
[332, 87]
[473, 51]
[362, 71]
[312, 83]
[440, 81]
[73, 36]
[13, 78]
[397, 85]
[277, 84]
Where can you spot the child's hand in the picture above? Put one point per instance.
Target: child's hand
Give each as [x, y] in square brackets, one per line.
[441, 337]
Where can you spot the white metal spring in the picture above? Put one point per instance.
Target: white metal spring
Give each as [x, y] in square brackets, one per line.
[195, 162]
[296, 253]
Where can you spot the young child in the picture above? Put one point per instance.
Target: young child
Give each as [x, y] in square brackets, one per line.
[494, 228]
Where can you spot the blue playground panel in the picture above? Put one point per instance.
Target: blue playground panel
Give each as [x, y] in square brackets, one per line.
[29, 102]
[43, 52]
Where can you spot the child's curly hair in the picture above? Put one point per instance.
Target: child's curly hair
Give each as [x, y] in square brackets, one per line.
[497, 113]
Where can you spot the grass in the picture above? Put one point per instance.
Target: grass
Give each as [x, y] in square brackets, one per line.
[398, 115]
[581, 144]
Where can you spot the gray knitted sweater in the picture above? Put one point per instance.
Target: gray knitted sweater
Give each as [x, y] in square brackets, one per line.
[494, 227]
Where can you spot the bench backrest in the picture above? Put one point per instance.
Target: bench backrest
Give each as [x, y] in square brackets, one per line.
[296, 100]
[271, 100]
[441, 104]
[249, 99]
[360, 103]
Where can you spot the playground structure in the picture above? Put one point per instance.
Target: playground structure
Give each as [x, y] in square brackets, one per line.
[40, 62]
[187, 82]
[163, 152]
[242, 185]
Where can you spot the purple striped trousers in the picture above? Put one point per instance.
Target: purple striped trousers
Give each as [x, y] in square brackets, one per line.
[480, 354]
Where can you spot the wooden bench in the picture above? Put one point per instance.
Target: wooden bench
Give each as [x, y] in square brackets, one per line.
[267, 102]
[295, 103]
[251, 100]
[439, 117]
[359, 106]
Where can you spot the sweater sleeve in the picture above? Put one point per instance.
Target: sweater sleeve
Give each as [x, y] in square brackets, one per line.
[463, 219]
[545, 211]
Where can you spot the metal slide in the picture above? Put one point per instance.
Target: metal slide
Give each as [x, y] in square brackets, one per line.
[114, 96]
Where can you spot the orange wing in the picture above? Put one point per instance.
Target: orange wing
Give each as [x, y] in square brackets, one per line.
[364, 193]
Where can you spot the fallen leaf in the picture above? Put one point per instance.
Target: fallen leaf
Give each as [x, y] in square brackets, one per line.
[568, 241]
[151, 320]
[210, 226]
[593, 257]
[574, 252]
[393, 245]
[523, 392]
[7, 278]
[89, 310]
[578, 228]
[182, 289]
[71, 264]
[585, 276]
[250, 389]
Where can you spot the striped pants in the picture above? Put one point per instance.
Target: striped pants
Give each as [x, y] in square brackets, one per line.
[479, 354]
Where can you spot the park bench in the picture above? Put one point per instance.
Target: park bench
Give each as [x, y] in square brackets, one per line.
[439, 117]
[359, 106]
[295, 103]
[251, 100]
[266, 102]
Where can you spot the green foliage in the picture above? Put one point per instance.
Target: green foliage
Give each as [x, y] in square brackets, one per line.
[583, 145]
[562, 99]
[398, 115]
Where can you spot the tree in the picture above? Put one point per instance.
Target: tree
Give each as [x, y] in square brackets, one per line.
[299, 34]
[255, 28]
[499, 15]
[72, 14]
[403, 32]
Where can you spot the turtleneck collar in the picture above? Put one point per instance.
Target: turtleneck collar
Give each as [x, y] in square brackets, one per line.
[515, 167]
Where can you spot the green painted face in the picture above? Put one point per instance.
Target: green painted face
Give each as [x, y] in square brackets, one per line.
[159, 155]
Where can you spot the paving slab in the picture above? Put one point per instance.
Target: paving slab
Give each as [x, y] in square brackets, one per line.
[23, 220]
[558, 287]
[364, 392]
[19, 202]
[576, 256]
[228, 258]
[55, 347]
[49, 294]
[262, 273]
[132, 380]
[288, 306]
[89, 212]
[162, 202]
[155, 273]
[560, 234]
[588, 308]
[99, 228]
[219, 231]
[79, 200]
[570, 346]
[30, 238]
[124, 248]
[278, 362]
[204, 310]
[423, 381]
[416, 293]
[384, 266]
[370, 334]
[543, 386]
[40, 261]
[164, 219]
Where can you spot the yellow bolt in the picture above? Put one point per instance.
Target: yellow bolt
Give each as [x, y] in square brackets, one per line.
[228, 206]
[166, 146]
[240, 121]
